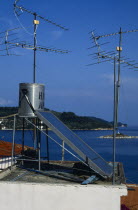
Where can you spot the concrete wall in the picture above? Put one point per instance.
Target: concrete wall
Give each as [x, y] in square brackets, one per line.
[20, 196]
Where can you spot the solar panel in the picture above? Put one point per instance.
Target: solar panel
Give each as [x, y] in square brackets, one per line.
[93, 159]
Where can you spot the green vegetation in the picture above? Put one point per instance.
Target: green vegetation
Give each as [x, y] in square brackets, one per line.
[5, 111]
[69, 118]
[78, 122]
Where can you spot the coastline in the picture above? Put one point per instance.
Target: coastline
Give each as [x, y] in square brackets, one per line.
[118, 137]
[93, 129]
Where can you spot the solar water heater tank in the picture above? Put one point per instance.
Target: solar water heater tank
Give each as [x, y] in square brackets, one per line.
[36, 95]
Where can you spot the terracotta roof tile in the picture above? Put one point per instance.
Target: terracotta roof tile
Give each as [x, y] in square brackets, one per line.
[131, 200]
[6, 148]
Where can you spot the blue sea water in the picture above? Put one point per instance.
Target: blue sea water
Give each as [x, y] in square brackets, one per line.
[126, 149]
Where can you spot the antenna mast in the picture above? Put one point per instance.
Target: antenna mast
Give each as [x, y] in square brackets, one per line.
[117, 58]
[36, 22]
[18, 8]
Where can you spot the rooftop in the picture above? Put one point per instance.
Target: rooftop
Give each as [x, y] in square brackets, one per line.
[6, 148]
[56, 172]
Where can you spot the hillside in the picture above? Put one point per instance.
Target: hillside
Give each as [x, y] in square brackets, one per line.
[69, 118]
[78, 122]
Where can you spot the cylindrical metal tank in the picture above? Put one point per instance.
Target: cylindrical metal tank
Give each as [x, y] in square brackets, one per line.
[36, 95]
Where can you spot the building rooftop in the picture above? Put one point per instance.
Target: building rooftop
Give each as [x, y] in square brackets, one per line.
[55, 172]
[131, 200]
[6, 148]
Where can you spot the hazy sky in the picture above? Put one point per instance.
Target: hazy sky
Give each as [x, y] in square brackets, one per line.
[70, 84]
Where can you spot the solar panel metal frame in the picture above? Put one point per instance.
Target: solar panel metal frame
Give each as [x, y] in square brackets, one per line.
[98, 169]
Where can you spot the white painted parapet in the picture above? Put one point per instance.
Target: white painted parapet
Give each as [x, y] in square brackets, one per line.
[28, 196]
[6, 162]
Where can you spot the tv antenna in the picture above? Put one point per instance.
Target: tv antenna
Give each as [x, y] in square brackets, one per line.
[109, 56]
[116, 58]
[4, 42]
[18, 10]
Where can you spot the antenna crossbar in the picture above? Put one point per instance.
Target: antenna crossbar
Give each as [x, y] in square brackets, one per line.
[31, 47]
[37, 15]
[122, 61]
[116, 33]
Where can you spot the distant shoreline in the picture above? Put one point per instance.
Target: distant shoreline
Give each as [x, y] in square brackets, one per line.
[118, 136]
[95, 129]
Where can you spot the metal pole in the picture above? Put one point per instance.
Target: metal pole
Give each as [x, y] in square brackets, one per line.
[47, 144]
[119, 58]
[35, 134]
[39, 146]
[63, 151]
[13, 141]
[119, 71]
[34, 75]
[23, 141]
[23, 138]
[115, 123]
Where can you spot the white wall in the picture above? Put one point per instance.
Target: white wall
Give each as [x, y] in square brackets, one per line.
[20, 196]
[6, 162]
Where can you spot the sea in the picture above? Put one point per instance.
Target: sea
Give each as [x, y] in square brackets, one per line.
[126, 149]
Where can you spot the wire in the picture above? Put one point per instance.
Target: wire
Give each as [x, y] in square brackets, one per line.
[22, 24]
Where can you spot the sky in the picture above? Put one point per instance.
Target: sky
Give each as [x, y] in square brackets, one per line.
[70, 84]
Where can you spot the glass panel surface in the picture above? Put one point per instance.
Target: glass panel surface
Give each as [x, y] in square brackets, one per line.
[63, 130]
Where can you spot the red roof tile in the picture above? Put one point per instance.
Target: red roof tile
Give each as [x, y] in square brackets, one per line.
[131, 200]
[6, 148]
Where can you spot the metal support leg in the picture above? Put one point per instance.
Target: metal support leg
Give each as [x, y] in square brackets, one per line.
[115, 121]
[47, 144]
[13, 141]
[63, 150]
[23, 138]
[39, 145]
[35, 135]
